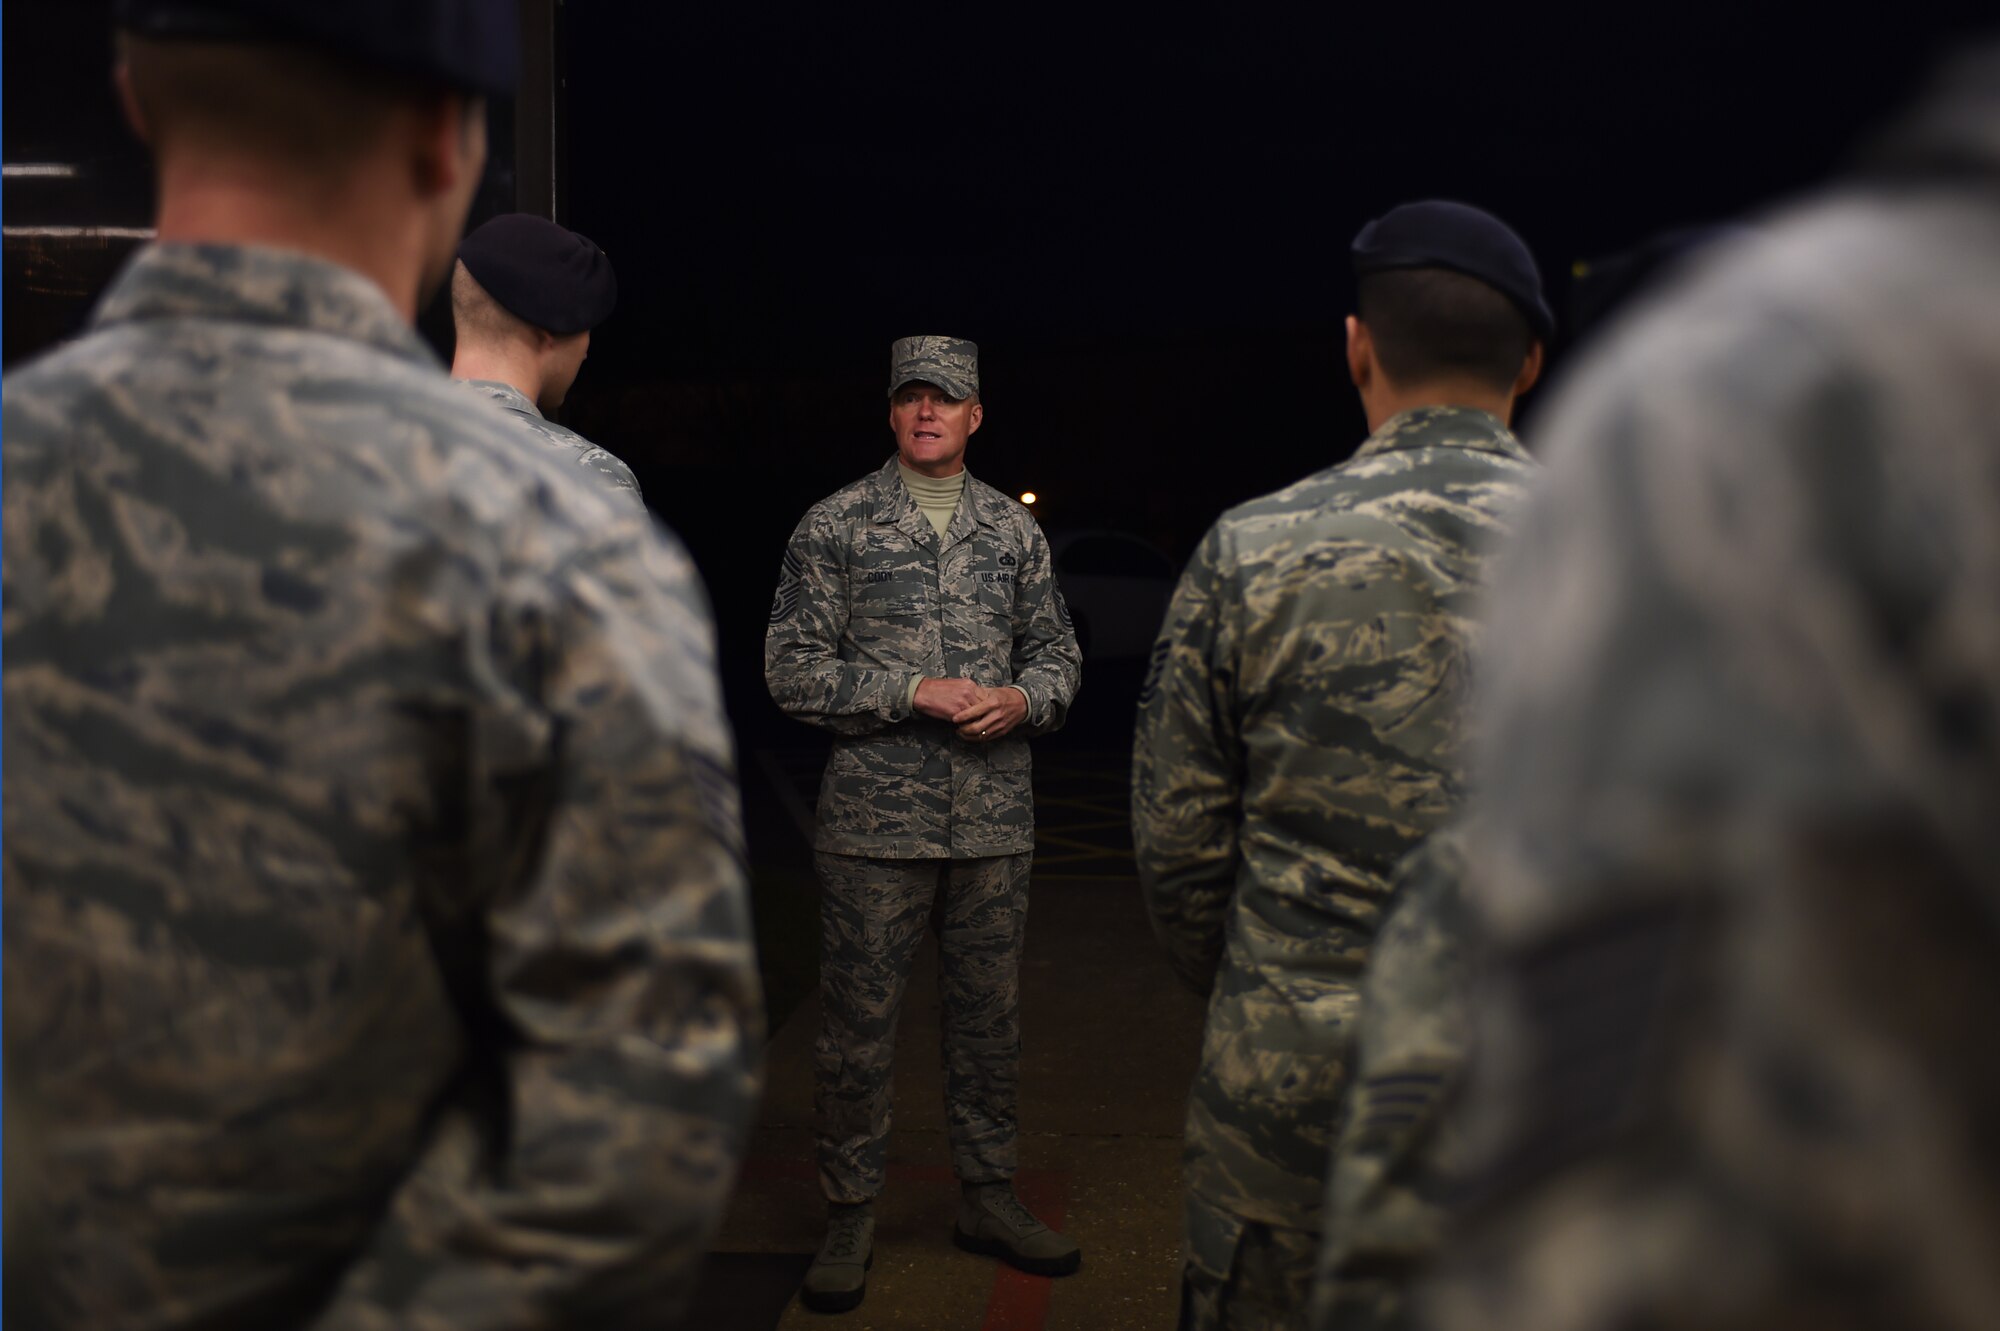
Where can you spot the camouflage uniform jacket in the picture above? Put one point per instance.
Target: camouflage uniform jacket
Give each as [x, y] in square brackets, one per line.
[1394, 1170]
[870, 598]
[376, 927]
[1298, 733]
[1736, 869]
[617, 476]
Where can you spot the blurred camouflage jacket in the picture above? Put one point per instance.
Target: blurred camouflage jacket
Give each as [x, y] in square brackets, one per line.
[376, 930]
[566, 442]
[868, 599]
[1298, 733]
[1737, 842]
[1394, 1166]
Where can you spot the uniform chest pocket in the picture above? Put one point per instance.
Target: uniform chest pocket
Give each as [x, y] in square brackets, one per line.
[994, 591]
[888, 593]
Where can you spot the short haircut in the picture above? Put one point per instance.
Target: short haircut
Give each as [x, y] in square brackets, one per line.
[1432, 323]
[273, 100]
[477, 317]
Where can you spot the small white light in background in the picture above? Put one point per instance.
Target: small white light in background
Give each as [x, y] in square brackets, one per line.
[42, 170]
[1028, 496]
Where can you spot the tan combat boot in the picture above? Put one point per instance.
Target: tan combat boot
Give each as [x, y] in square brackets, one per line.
[838, 1276]
[991, 1220]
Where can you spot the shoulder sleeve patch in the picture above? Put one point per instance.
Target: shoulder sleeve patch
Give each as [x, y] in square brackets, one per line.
[787, 599]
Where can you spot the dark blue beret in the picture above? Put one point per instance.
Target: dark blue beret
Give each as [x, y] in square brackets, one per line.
[469, 44]
[541, 273]
[1440, 234]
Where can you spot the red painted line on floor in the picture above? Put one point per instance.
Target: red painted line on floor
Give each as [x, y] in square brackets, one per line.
[1020, 1302]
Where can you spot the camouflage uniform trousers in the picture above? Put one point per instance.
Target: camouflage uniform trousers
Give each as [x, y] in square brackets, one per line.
[873, 913]
[1244, 1275]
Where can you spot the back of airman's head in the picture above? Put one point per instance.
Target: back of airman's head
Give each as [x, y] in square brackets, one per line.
[520, 271]
[305, 85]
[1449, 292]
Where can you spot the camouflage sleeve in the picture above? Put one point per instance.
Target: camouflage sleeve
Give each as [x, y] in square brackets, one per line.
[603, 961]
[1386, 1197]
[1732, 824]
[1047, 665]
[803, 667]
[1186, 764]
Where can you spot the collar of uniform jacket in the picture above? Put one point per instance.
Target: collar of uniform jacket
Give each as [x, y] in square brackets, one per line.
[894, 507]
[508, 396]
[1443, 427]
[249, 284]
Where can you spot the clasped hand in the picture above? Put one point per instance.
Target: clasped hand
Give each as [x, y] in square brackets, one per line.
[981, 714]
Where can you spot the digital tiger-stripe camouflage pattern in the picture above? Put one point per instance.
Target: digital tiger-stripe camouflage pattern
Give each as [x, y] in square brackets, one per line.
[1734, 856]
[1396, 1166]
[870, 599]
[1301, 731]
[874, 914]
[377, 942]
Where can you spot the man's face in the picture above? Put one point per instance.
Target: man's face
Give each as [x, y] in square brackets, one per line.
[931, 429]
[560, 364]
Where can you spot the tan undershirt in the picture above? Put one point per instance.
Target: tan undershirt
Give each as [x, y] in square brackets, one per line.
[937, 496]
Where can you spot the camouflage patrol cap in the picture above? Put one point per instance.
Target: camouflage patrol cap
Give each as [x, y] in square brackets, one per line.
[951, 363]
[1438, 233]
[470, 44]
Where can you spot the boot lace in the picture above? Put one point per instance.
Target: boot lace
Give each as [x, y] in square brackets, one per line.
[1007, 1208]
[845, 1238]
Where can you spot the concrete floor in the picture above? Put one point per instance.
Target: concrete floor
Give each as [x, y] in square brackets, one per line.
[1110, 1040]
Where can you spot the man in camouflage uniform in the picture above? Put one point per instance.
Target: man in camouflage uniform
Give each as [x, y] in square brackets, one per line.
[1735, 859]
[1300, 730]
[1395, 1166]
[918, 619]
[525, 295]
[376, 933]
[1398, 1161]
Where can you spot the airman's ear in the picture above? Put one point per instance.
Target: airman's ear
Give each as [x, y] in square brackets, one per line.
[450, 141]
[128, 101]
[1531, 370]
[978, 415]
[1360, 353]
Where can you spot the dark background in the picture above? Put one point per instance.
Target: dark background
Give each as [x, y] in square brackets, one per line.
[1142, 220]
